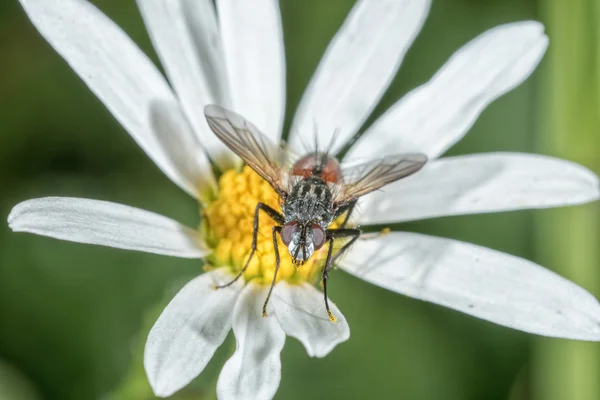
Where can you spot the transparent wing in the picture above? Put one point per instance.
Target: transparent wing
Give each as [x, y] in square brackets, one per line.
[360, 179]
[245, 140]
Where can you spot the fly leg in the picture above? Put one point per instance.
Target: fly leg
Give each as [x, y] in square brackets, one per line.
[325, 275]
[277, 217]
[276, 230]
[348, 208]
[345, 208]
[351, 206]
[375, 235]
[333, 234]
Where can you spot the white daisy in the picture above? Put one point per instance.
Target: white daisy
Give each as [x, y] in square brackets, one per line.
[234, 56]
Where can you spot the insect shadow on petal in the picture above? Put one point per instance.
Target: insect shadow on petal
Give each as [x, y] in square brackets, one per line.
[314, 191]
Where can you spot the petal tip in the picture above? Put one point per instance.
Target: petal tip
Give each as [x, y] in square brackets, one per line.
[323, 351]
[531, 25]
[593, 183]
[161, 389]
[526, 30]
[13, 217]
[595, 194]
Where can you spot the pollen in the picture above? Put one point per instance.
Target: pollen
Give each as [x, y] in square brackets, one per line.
[228, 225]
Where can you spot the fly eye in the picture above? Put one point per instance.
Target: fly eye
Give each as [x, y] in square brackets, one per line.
[318, 236]
[287, 232]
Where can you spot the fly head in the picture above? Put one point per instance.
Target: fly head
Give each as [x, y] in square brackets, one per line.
[302, 239]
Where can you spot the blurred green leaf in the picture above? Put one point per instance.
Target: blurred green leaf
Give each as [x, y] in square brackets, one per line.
[15, 386]
[569, 127]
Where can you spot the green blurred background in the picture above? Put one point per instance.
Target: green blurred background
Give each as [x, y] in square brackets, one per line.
[73, 318]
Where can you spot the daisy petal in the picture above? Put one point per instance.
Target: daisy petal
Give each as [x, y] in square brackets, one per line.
[106, 224]
[433, 117]
[188, 332]
[112, 66]
[357, 68]
[300, 310]
[487, 284]
[186, 37]
[252, 40]
[175, 135]
[481, 183]
[254, 370]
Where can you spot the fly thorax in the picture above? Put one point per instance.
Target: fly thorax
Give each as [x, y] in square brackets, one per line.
[310, 200]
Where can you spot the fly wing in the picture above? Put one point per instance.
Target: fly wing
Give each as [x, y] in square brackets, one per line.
[245, 140]
[367, 177]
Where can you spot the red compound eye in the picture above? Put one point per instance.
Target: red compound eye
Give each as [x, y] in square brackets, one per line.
[319, 236]
[287, 232]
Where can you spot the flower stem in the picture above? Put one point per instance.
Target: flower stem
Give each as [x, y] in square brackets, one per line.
[567, 239]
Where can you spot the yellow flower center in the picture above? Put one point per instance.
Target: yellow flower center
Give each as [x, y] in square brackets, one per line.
[228, 225]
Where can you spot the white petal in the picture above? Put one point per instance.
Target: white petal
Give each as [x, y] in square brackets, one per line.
[300, 310]
[188, 332]
[113, 67]
[481, 183]
[175, 135]
[186, 37]
[487, 284]
[357, 68]
[433, 117]
[252, 40]
[106, 224]
[254, 370]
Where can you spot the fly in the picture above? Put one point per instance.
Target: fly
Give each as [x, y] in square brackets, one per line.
[314, 192]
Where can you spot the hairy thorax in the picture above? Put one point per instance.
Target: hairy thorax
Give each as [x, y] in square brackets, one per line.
[309, 201]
